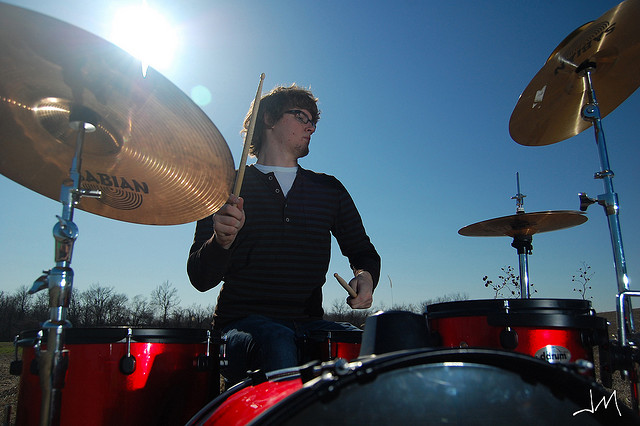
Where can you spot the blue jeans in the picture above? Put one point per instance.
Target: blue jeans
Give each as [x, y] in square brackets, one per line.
[257, 342]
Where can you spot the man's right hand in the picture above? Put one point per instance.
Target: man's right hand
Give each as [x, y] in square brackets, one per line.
[228, 221]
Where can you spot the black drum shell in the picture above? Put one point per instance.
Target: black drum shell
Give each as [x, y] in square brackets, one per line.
[394, 331]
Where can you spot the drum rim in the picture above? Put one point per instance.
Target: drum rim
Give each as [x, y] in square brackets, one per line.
[531, 313]
[98, 335]
[465, 306]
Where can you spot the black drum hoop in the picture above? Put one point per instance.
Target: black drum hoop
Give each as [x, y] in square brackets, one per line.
[76, 336]
[484, 306]
[537, 313]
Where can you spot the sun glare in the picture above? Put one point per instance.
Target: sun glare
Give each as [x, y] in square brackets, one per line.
[145, 34]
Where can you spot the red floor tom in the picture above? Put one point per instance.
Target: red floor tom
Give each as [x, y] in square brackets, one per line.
[171, 379]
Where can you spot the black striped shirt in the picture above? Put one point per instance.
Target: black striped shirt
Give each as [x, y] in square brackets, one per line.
[279, 260]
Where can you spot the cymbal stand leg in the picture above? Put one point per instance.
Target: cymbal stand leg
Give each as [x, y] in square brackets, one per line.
[631, 363]
[609, 200]
[524, 247]
[53, 361]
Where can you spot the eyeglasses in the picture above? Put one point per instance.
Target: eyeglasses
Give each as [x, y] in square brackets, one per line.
[301, 117]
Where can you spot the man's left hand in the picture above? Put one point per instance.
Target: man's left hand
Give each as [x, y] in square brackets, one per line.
[362, 283]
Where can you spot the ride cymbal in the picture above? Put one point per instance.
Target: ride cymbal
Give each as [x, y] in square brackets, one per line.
[155, 156]
[549, 109]
[524, 224]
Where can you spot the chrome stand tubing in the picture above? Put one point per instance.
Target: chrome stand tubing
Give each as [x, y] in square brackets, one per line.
[523, 245]
[609, 200]
[53, 361]
[633, 369]
[523, 263]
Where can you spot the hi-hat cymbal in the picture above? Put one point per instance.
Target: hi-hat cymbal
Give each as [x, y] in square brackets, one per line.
[549, 109]
[524, 224]
[156, 157]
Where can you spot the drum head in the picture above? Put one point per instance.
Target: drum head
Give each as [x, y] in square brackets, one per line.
[452, 387]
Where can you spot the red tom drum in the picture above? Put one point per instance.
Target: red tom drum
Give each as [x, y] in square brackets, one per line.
[554, 330]
[329, 345]
[173, 376]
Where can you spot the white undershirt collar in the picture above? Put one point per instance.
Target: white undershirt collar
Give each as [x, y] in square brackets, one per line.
[285, 175]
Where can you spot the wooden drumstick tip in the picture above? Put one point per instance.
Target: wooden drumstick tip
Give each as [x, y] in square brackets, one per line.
[346, 286]
[248, 138]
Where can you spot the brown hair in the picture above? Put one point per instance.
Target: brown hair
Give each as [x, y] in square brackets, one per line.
[273, 105]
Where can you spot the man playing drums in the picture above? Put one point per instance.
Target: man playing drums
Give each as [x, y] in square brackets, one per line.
[271, 247]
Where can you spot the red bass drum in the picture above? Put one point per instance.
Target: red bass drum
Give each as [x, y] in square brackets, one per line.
[421, 387]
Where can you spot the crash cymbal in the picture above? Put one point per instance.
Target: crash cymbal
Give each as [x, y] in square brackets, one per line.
[549, 109]
[524, 224]
[156, 157]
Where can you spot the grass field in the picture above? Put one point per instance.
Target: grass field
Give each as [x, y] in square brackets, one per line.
[6, 348]
[8, 384]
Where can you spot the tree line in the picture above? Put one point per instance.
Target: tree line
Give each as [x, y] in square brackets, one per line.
[103, 306]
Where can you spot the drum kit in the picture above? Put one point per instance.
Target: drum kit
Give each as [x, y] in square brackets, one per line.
[81, 124]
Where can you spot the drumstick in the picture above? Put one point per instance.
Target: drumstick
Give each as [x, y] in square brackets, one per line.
[248, 139]
[346, 286]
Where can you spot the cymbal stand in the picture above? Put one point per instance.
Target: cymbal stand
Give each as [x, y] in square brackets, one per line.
[609, 200]
[522, 243]
[53, 361]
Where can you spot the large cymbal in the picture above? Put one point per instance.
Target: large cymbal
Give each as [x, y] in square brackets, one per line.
[156, 157]
[524, 224]
[549, 109]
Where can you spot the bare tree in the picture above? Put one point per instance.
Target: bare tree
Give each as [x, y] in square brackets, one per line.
[75, 314]
[341, 312]
[6, 312]
[509, 285]
[96, 300]
[117, 312]
[582, 280]
[103, 306]
[140, 312]
[164, 299]
[14, 314]
[22, 300]
[40, 306]
[195, 316]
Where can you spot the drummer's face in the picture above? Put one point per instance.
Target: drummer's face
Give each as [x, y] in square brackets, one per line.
[293, 134]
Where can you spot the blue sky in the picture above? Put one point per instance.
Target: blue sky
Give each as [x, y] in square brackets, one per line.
[416, 98]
